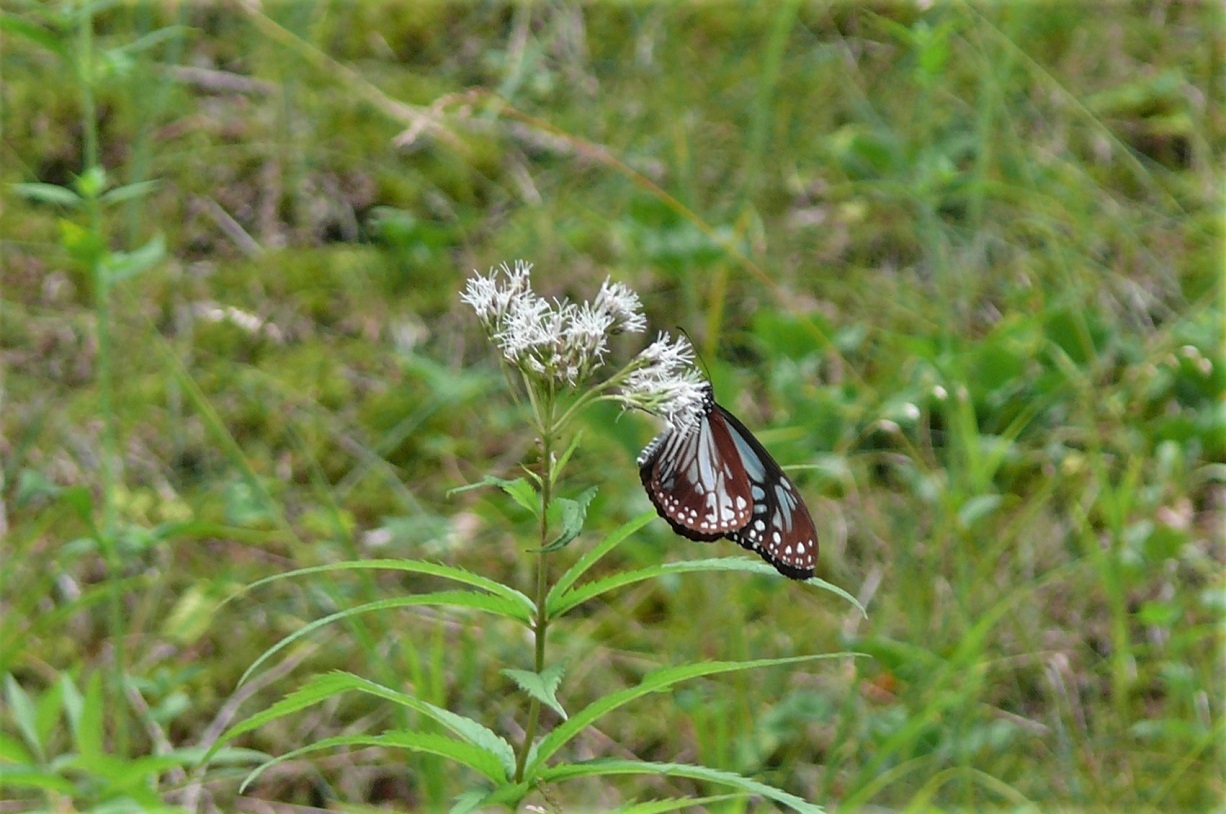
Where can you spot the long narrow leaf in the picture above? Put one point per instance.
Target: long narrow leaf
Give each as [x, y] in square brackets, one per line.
[654, 681]
[35, 33]
[565, 457]
[459, 599]
[458, 751]
[323, 687]
[413, 566]
[603, 767]
[594, 554]
[564, 602]
[472, 731]
[675, 804]
[21, 709]
[48, 194]
[88, 726]
[14, 777]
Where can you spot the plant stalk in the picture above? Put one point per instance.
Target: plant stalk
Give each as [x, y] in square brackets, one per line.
[541, 626]
[108, 457]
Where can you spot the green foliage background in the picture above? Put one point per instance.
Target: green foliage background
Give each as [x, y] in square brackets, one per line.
[960, 264]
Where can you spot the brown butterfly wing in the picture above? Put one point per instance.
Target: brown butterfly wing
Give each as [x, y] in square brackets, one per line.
[696, 480]
[781, 529]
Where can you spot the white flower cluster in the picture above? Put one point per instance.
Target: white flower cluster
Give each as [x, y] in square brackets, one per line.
[565, 343]
[663, 380]
[557, 340]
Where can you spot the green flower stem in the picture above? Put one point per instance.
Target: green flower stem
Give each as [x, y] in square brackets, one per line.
[605, 392]
[84, 63]
[547, 424]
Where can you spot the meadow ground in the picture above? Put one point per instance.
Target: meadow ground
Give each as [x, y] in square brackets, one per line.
[958, 265]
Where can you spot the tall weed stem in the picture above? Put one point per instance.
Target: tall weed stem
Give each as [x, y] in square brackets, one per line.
[91, 187]
[547, 428]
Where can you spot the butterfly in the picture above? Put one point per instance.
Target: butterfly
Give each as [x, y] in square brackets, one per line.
[714, 479]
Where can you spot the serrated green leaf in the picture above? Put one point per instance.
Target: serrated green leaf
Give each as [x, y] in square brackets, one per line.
[320, 688]
[477, 759]
[519, 489]
[432, 569]
[675, 804]
[542, 686]
[614, 766]
[556, 606]
[505, 795]
[468, 801]
[574, 513]
[458, 599]
[594, 554]
[655, 681]
[472, 731]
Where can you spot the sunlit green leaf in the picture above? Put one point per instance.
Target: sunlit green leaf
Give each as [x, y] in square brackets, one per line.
[655, 681]
[576, 596]
[120, 266]
[593, 555]
[129, 192]
[497, 605]
[519, 489]
[481, 748]
[48, 194]
[611, 766]
[573, 512]
[21, 708]
[542, 686]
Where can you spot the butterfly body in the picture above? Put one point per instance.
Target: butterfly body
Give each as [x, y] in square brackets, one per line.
[714, 479]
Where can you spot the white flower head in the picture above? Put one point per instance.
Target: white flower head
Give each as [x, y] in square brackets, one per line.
[492, 296]
[524, 328]
[622, 307]
[588, 331]
[662, 379]
[557, 340]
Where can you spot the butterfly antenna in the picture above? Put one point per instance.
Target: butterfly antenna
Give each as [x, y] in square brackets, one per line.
[697, 355]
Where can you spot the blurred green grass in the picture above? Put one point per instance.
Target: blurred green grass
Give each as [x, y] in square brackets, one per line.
[962, 265]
